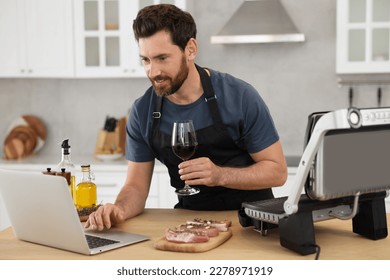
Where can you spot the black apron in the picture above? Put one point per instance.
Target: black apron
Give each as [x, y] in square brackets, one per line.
[215, 143]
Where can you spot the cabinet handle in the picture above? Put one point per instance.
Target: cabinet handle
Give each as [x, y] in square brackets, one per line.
[30, 70]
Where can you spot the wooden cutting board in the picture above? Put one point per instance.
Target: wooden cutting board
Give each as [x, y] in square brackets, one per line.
[20, 142]
[26, 135]
[165, 245]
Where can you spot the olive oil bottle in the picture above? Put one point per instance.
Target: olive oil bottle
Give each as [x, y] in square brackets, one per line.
[84, 195]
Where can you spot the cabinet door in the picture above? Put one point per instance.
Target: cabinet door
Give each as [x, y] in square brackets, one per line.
[103, 38]
[49, 38]
[104, 41]
[4, 220]
[108, 185]
[179, 3]
[167, 196]
[12, 39]
[363, 36]
[37, 38]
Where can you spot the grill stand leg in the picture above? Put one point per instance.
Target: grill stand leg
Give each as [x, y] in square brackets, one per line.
[370, 221]
[297, 233]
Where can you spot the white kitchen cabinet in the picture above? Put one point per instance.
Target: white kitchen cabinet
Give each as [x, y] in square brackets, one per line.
[109, 183]
[363, 36]
[36, 38]
[104, 41]
[179, 3]
[4, 220]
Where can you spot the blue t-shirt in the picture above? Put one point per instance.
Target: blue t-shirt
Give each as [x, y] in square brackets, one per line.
[242, 110]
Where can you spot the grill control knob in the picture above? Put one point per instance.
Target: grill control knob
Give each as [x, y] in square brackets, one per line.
[354, 118]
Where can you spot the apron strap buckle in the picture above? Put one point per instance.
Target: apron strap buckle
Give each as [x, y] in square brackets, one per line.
[156, 115]
[210, 98]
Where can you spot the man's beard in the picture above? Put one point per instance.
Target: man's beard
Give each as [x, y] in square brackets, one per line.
[174, 84]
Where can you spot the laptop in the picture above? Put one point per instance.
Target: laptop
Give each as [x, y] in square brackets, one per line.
[41, 210]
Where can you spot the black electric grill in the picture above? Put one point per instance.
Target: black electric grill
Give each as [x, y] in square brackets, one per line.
[343, 173]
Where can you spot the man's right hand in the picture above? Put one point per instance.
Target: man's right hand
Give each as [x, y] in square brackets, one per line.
[105, 217]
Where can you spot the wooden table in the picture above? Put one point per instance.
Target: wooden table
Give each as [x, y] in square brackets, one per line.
[335, 237]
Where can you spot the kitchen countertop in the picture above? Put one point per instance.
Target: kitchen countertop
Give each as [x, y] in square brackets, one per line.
[335, 237]
[41, 162]
[48, 160]
[52, 160]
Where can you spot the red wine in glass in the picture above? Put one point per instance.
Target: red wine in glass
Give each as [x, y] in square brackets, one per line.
[184, 152]
[184, 144]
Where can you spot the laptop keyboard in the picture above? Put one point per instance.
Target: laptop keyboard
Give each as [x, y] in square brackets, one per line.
[95, 241]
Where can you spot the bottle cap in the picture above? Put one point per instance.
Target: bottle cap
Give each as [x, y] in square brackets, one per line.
[65, 146]
[85, 167]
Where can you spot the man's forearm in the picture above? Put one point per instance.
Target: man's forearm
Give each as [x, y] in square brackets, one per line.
[260, 175]
[131, 202]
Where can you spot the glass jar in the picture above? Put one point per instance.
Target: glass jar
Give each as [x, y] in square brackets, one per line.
[85, 195]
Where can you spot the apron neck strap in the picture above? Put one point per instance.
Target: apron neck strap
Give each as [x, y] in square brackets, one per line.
[210, 97]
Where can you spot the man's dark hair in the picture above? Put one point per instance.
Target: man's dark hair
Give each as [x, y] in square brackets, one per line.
[155, 18]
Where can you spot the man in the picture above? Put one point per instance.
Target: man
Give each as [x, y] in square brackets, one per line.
[239, 156]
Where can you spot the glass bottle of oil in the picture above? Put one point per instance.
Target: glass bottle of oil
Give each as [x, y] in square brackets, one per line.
[85, 192]
[67, 163]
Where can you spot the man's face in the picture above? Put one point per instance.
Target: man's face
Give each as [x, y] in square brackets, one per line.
[164, 63]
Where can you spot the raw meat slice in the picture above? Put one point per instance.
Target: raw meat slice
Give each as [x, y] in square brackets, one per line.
[185, 236]
[209, 230]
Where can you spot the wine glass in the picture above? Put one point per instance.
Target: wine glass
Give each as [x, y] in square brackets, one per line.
[184, 145]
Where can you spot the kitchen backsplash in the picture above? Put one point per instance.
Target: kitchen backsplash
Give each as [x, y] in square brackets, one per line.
[74, 109]
[295, 79]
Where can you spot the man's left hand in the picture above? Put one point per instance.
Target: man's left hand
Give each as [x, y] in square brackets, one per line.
[200, 171]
